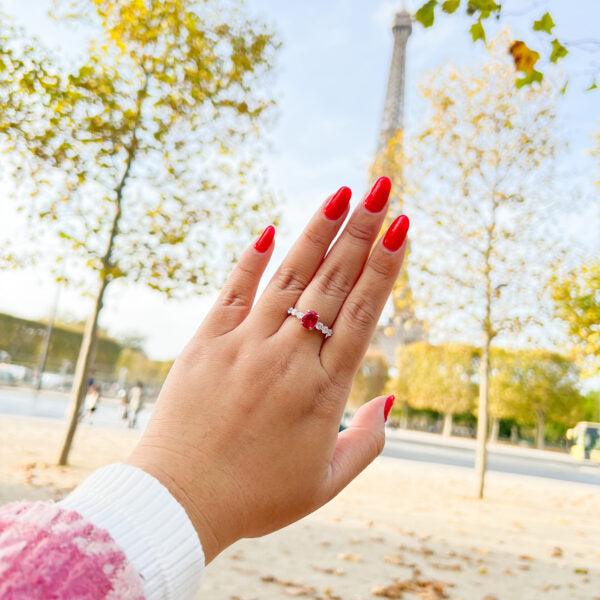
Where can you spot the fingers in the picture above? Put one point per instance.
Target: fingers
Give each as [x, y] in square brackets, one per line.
[237, 295]
[342, 266]
[303, 260]
[358, 317]
[360, 444]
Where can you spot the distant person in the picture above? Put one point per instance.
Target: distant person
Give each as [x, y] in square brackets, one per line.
[136, 403]
[92, 400]
[123, 397]
[244, 439]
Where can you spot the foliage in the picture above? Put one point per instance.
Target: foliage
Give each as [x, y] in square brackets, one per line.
[439, 378]
[527, 385]
[480, 11]
[140, 367]
[483, 170]
[370, 379]
[577, 302]
[23, 339]
[134, 158]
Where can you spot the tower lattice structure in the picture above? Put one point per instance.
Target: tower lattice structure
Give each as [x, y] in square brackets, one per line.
[402, 326]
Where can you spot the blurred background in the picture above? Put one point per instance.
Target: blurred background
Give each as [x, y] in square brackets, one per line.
[144, 143]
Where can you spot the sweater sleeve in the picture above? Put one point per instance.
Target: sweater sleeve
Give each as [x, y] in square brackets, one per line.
[148, 524]
[50, 552]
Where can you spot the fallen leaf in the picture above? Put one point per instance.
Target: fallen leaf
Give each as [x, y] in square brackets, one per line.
[348, 556]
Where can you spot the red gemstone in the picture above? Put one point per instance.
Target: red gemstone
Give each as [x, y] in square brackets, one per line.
[310, 319]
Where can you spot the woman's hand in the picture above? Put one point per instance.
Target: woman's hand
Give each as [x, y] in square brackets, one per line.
[245, 431]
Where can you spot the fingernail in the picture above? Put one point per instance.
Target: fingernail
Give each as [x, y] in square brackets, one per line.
[378, 195]
[389, 402]
[263, 243]
[396, 234]
[338, 203]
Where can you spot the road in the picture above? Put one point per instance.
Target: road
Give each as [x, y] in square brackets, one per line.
[520, 461]
[414, 446]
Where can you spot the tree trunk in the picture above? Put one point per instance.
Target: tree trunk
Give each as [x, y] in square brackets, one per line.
[540, 433]
[494, 432]
[514, 434]
[447, 428]
[79, 389]
[86, 352]
[482, 421]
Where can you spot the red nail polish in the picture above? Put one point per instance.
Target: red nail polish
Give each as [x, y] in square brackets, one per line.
[263, 243]
[389, 402]
[337, 204]
[378, 195]
[396, 234]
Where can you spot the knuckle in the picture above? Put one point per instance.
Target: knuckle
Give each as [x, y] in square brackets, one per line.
[290, 280]
[360, 314]
[376, 443]
[315, 237]
[334, 282]
[326, 400]
[232, 297]
[360, 232]
[383, 266]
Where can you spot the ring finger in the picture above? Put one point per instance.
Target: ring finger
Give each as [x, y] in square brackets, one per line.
[342, 266]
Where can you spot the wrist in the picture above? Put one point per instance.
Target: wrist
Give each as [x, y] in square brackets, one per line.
[164, 467]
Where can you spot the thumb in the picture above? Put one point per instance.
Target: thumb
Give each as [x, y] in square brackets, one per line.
[361, 443]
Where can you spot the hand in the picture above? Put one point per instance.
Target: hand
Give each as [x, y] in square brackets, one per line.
[245, 431]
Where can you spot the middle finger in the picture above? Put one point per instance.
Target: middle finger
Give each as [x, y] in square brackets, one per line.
[342, 266]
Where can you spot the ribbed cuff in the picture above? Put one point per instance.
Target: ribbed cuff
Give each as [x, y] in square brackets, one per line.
[149, 525]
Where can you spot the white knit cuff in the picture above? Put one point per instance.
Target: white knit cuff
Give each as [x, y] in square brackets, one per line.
[148, 524]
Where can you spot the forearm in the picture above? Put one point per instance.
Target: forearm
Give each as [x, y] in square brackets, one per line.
[120, 534]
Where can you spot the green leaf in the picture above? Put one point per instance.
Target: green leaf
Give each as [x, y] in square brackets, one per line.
[477, 31]
[558, 51]
[546, 24]
[450, 6]
[484, 7]
[563, 89]
[426, 14]
[533, 77]
[593, 86]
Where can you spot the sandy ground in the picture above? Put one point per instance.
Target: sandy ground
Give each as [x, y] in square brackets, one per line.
[401, 530]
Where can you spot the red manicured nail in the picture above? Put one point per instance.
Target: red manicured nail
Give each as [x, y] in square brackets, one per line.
[338, 203]
[389, 402]
[263, 243]
[378, 195]
[396, 234]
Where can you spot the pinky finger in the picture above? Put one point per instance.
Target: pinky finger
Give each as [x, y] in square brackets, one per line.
[237, 295]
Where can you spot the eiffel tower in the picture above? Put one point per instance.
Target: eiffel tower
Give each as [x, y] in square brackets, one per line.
[402, 326]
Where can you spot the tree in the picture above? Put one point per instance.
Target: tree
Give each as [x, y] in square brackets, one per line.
[369, 380]
[577, 302]
[484, 166]
[439, 378]
[525, 58]
[136, 162]
[535, 386]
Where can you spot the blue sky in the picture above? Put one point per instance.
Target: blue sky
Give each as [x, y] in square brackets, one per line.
[329, 83]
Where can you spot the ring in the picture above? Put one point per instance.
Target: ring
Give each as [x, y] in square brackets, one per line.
[310, 321]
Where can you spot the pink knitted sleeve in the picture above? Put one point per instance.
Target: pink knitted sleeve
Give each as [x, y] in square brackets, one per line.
[47, 552]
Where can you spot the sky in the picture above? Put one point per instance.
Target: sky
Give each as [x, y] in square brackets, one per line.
[329, 84]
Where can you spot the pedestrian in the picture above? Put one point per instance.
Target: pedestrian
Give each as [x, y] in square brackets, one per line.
[92, 400]
[136, 403]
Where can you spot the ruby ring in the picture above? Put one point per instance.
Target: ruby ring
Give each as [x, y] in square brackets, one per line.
[310, 321]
